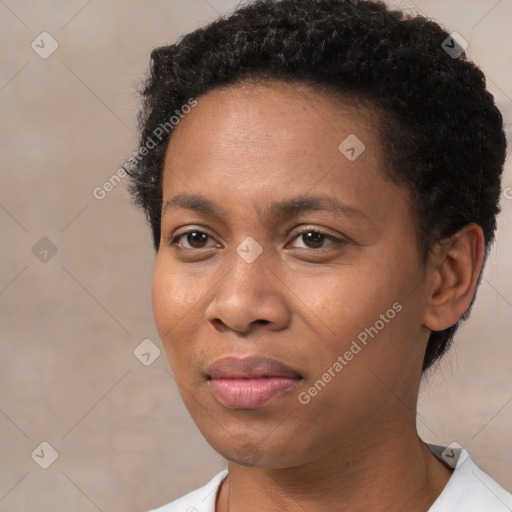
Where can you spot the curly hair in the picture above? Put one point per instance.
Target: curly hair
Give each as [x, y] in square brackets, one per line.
[442, 131]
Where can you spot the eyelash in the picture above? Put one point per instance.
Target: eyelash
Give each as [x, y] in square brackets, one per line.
[173, 240]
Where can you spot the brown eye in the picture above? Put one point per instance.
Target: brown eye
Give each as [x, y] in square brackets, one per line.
[194, 238]
[314, 239]
[311, 238]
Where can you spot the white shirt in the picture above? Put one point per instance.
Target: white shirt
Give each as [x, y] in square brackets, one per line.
[468, 490]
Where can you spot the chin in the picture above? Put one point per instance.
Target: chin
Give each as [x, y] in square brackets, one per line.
[250, 452]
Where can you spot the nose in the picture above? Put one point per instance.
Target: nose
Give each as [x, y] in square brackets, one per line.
[251, 294]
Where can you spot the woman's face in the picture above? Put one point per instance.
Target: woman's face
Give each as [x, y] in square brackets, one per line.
[342, 308]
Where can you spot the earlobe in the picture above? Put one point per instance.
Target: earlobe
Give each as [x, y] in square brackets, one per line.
[459, 262]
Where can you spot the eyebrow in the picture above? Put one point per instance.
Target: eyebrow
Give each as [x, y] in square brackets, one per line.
[282, 209]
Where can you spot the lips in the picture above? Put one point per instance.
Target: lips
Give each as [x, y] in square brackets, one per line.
[249, 367]
[249, 382]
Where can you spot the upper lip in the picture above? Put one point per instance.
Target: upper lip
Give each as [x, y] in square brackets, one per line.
[249, 367]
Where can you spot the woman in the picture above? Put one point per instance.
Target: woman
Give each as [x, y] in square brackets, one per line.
[322, 182]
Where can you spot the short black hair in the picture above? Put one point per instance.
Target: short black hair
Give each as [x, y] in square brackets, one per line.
[442, 131]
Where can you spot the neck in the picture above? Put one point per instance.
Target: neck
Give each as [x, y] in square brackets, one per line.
[377, 472]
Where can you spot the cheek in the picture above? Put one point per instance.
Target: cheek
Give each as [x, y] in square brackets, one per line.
[162, 299]
[343, 301]
[364, 311]
[176, 301]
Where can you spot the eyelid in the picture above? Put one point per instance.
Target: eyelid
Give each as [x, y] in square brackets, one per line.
[171, 241]
[320, 231]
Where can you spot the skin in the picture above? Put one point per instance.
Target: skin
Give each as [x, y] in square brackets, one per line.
[303, 301]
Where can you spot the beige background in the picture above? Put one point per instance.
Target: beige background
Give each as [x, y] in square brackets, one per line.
[69, 325]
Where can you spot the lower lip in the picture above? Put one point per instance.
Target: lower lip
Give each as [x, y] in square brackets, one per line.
[250, 393]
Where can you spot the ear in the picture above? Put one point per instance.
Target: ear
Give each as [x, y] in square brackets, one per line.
[458, 263]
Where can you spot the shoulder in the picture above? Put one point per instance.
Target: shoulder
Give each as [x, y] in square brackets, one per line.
[199, 500]
[470, 489]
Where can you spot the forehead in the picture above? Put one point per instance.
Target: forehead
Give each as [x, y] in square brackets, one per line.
[279, 131]
[279, 107]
